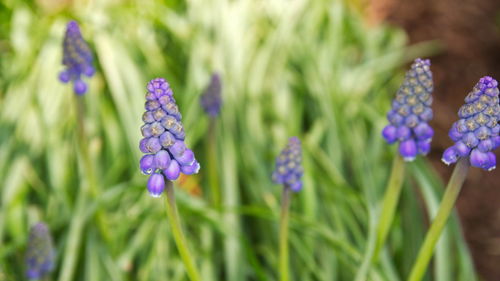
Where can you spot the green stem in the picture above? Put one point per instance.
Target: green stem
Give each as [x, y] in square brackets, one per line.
[450, 196]
[179, 238]
[213, 176]
[389, 203]
[285, 214]
[89, 169]
[86, 191]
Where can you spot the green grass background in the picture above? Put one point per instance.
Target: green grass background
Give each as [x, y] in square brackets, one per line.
[314, 69]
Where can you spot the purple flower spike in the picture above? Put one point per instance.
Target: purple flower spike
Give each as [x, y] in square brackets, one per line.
[211, 100]
[411, 112]
[288, 170]
[166, 153]
[476, 132]
[40, 252]
[77, 58]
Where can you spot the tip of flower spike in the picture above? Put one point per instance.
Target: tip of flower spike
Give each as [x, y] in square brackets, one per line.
[418, 62]
[72, 24]
[40, 252]
[211, 100]
[288, 169]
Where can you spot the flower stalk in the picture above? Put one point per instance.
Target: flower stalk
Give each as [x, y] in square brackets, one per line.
[283, 235]
[213, 175]
[179, 238]
[449, 198]
[390, 202]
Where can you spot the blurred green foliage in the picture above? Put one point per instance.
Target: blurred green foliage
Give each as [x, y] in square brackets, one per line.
[309, 68]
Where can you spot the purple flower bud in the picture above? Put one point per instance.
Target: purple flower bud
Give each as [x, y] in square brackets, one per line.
[146, 130]
[164, 137]
[79, 87]
[167, 139]
[191, 169]
[211, 100]
[479, 159]
[147, 164]
[40, 252]
[288, 170]
[496, 142]
[157, 129]
[474, 133]
[389, 134]
[77, 58]
[450, 155]
[143, 145]
[486, 145]
[461, 149]
[156, 184]
[178, 148]
[173, 171]
[153, 145]
[162, 159]
[454, 134]
[186, 158]
[296, 186]
[403, 133]
[64, 76]
[424, 147]
[411, 111]
[408, 149]
[423, 131]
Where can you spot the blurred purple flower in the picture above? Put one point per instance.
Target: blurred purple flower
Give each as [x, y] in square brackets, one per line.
[211, 100]
[411, 111]
[166, 154]
[288, 170]
[476, 133]
[40, 252]
[77, 58]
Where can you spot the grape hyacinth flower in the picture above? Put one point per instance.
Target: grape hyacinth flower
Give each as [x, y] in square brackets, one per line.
[288, 172]
[211, 103]
[77, 58]
[166, 154]
[411, 111]
[166, 157]
[476, 133]
[289, 169]
[40, 253]
[211, 99]
[408, 124]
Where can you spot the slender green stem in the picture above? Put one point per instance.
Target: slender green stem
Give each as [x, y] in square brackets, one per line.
[285, 214]
[89, 169]
[213, 175]
[450, 196]
[86, 191]
[179, 238]
[389, 203]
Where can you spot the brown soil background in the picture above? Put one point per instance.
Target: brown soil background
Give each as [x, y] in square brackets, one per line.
[469, 31]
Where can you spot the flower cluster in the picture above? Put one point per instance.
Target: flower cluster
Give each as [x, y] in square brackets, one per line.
[211, 99]
[476, 133]
[40, 253]
[77, 58]
[163, 142]
[411, 112]
[288, 170]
